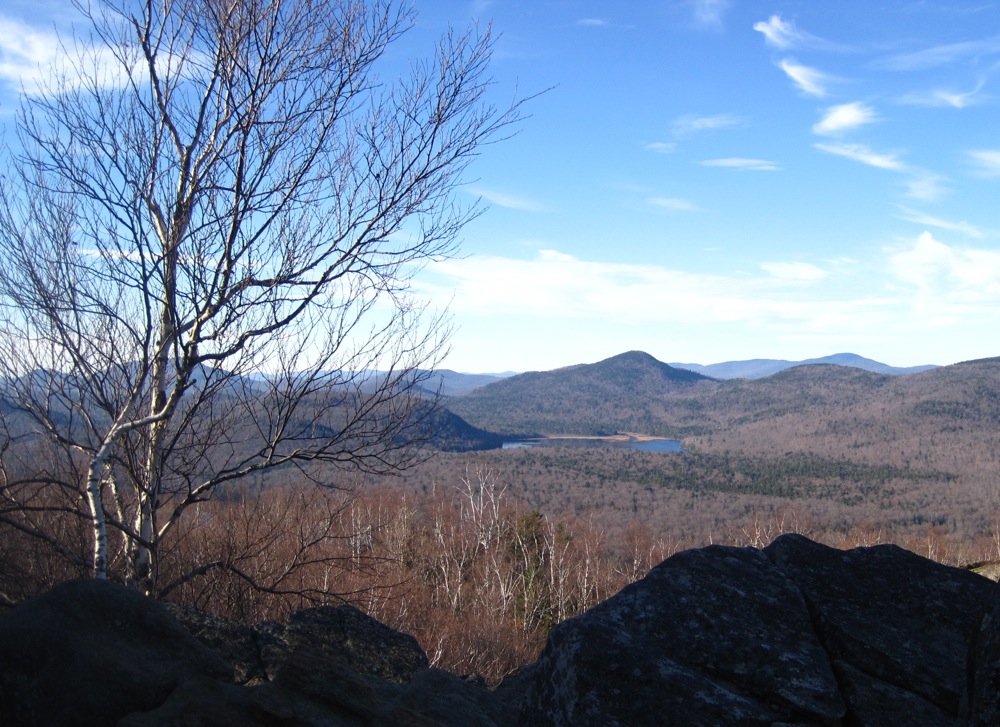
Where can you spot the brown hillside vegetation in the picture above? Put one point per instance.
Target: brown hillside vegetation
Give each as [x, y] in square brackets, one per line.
[840, 446]
[478, 554]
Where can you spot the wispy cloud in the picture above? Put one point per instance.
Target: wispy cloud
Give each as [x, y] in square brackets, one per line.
[742, 163]
[926, 187]
[943, 98]
[941, 55]
[986, 161]
[810, 81]
[39, 61]
[778, 33]
[503, 199]
[661, 147]
[861, 153]
[919, 289]
[557, 285]
[784, 35]
[675, 204]
[794, 272]
[592, 22]
[920, 218]
[691, 124]
[27, 55]
[554, 284]
[845, 117]
[709, 13]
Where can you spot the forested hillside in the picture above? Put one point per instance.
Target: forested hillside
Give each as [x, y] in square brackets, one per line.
[760, 367]
[624, 393]
[838, 448]
[478, 550]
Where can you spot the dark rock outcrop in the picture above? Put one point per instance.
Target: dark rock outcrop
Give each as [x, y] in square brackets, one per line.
[984, 673]
[258, 651]
[89, 652]
[889, 618]
[797, 633]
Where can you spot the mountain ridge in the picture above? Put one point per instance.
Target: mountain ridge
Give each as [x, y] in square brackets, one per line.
[763, 367]
[633, 392]
[454, 383]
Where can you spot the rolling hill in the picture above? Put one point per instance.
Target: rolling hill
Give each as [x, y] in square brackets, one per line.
[761, 367]
[622, 393]
[824, 403]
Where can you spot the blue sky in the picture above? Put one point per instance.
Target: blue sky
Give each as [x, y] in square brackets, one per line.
[709, 180]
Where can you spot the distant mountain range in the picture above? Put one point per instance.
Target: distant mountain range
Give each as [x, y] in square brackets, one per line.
[758, 368]
[452, 383]
[634, 392]
[623, 393]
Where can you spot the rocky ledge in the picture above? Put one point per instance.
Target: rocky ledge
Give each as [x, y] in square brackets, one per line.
[797, 633]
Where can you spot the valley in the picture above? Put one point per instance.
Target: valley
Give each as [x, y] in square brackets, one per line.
[839, 451]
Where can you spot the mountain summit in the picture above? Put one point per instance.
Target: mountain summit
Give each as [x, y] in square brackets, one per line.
[632, 367]
[621, 392]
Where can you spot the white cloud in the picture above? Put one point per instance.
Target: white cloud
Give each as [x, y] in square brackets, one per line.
[845, 117]
[709, 13]
[784, 35]
[926, 187]
[951, 279]
[661, 147]
[481, 6]
[674, 203]
[742, 163]
[861, 153]
[555, 285]
[942, 98]
[941, 55]
[26, 54]
[592, 22]
[503, 199]
[41, 62]
[778, 33]
[794, 272]
[690, 124]
[922, 300]
[987, 162]
[921, 218]
[810, 81]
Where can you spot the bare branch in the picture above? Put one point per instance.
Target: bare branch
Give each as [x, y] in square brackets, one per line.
[209, 234]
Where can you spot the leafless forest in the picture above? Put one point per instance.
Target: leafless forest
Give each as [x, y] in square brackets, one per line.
[214, 375]
[479, 553]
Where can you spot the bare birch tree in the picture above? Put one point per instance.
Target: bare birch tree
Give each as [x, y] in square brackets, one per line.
[208, 228]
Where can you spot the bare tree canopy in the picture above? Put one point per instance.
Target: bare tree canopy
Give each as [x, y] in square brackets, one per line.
[208, 229]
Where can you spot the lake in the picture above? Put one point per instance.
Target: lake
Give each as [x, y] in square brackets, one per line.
[648, 445]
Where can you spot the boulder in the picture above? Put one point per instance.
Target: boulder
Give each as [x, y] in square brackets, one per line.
[711, 636]
[89, 652]
[795, 634]
[798, 633]
[983, 708]
[312, 689]
[258, 651]
[896, 618]
[367, 646]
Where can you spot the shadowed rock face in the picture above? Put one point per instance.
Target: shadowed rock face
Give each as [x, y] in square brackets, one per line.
[89, 652]
[797, 633]
[718, 633]
[258, 651]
